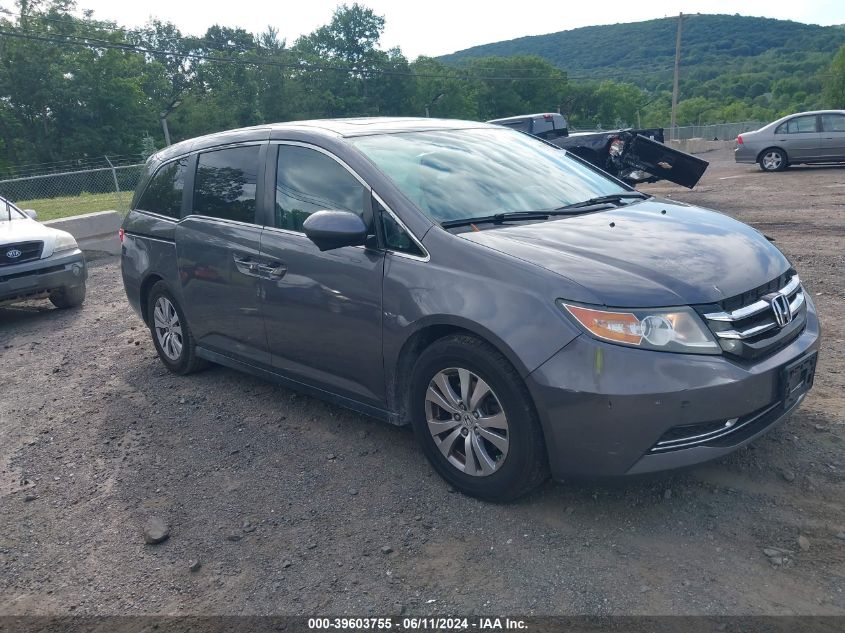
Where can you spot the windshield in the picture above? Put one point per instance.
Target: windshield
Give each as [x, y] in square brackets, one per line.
[457, 174]
[8, 211]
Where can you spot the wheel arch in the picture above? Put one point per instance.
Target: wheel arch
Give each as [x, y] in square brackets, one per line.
[424, 334]
[144, 294]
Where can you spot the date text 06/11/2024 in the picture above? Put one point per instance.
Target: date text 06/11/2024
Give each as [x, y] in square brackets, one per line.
[480, 624]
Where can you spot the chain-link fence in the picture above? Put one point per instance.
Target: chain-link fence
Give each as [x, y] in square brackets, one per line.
[60, 193]
[717, 132]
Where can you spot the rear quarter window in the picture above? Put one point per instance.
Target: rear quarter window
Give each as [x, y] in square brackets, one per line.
[163, 194]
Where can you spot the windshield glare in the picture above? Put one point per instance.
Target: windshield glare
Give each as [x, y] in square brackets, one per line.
[458, 174]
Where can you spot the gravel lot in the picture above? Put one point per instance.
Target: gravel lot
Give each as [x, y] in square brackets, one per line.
[293, 506]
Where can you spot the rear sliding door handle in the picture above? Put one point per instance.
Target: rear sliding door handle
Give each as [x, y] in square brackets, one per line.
[274, 270]
[249, 266]
[245, 264]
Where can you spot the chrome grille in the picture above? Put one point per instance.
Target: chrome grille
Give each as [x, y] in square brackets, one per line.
[753, 329]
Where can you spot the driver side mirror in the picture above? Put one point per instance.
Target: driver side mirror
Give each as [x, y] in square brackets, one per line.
[335, 229]
[31, 213]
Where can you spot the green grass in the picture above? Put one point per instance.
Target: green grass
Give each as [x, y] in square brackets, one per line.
[53, 208]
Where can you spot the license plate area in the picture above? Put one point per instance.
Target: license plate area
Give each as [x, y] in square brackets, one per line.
[797, 379]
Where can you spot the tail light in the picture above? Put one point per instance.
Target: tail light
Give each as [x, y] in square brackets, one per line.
[739, 140]
[120, 234]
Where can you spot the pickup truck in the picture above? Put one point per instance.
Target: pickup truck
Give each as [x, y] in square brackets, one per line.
[634, 156]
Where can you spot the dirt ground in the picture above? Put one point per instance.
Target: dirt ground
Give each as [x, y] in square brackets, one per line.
[293, 506]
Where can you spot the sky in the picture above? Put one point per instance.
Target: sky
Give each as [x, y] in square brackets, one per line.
[437, 27]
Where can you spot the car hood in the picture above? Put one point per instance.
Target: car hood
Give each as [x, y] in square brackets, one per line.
[647, 254]
[26, 230]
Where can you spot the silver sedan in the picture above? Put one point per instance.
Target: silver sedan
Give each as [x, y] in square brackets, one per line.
[806, 137]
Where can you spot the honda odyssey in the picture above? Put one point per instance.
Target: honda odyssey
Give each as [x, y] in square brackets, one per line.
[525, 312]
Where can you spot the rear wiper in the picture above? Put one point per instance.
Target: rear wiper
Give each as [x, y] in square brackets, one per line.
[609, 199]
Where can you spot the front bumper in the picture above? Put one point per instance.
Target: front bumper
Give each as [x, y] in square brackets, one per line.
[604, 407]
[64, 270]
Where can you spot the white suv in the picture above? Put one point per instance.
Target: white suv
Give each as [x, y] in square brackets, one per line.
[38, 261]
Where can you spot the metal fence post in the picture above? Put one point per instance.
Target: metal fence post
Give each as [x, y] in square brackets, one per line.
[116, 185]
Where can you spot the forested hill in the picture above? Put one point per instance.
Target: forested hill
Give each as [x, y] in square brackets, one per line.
[643, 52]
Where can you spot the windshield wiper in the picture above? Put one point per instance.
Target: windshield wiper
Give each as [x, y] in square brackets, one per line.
[609, 199]
[570, 209]
[498, 218]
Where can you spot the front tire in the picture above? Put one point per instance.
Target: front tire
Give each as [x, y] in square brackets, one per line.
[773, 159]
[171, 333]
[475, 420]
[68, 297]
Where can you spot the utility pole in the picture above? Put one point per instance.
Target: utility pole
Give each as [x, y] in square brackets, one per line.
[672, 131]
[163, 118]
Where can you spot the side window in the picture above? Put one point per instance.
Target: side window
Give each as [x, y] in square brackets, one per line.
[833, 123]
[308, 181]
[801, 124]
[224, 186]
[163, 194]
[396, 238]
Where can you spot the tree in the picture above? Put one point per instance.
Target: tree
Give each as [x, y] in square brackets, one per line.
[834, 85]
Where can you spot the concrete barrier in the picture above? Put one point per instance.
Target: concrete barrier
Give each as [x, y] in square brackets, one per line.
[96, 233]
[699, 145]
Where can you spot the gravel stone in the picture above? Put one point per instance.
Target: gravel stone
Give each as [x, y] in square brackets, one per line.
[156, 530]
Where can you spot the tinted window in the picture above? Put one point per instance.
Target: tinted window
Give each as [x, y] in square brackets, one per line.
[833, 123]
[799, 124]
[164, 192]
[309, 181]
[455, 174]
[225, 183]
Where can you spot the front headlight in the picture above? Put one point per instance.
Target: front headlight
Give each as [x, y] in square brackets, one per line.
[64, 242]
[665, 329]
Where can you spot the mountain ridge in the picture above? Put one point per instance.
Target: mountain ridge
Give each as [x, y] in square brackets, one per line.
[643, 52]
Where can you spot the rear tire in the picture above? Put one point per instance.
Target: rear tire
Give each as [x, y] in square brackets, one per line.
[171, 333]
[773, 159]
[497, 424]
[68, 297]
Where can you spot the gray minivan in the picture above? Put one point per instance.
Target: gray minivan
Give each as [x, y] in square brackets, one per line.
[527, 313]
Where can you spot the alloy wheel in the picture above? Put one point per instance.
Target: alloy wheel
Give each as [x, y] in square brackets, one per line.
[167, 327]
[467, 421]
[772, 160]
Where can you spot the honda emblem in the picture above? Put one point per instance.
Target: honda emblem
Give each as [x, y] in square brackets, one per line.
[783, 313]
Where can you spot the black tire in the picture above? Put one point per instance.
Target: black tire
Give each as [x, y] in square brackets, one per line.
[187, 360]
[773, 159]
[526, 464]
[68, 297]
